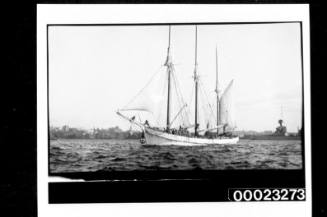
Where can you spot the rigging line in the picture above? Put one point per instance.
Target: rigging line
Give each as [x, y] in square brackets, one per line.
[147, 84]
[179, 97]
[182, 98]
[185, 113]
[157, 119]
[203, 104]
[191, 98]
[164, 91]
[178, 88]
[205, 113]
[178, 92]
[138, 115]
[175, 85]
[205, 93]
[185, 116]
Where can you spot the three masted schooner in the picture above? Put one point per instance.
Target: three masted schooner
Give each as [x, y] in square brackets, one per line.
[168, 135]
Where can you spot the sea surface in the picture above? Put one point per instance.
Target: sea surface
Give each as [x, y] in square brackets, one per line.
[72, 155]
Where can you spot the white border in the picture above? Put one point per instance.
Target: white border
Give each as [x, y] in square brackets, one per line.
[81, 14]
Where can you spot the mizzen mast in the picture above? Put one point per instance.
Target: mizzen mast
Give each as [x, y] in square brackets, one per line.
[196, 80]
[217, 91]
[169, 65]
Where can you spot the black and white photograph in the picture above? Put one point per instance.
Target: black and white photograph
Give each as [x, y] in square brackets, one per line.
[201, 106]
[175, 97]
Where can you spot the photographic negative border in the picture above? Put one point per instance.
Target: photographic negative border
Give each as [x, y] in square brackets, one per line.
[161, 181]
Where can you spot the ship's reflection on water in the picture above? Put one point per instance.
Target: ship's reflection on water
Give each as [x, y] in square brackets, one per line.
[129, 155]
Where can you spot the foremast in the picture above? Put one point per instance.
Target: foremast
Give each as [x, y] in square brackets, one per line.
[196, 81]
[169, 66]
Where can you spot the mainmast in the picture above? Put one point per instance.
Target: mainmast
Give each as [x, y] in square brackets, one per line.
[217, 90]
[196, 79]
[169, 65]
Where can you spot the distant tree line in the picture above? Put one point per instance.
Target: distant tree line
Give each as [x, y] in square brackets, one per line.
[67, 132]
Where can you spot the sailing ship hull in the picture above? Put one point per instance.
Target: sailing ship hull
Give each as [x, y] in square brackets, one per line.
[155, 137]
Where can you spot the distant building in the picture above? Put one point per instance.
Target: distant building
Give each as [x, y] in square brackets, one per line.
[267, 132]
[65, 128]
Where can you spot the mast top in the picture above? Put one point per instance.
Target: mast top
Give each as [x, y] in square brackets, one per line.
[168, 60]
[169, 37]
[169, 65]
[196, 45]
[217, 90]
[196, 77]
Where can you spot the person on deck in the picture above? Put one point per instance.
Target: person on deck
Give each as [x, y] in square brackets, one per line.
[146, 123]
[180, 130]
[224, 129]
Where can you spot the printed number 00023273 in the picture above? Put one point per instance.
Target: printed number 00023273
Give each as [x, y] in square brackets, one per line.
[265, 194]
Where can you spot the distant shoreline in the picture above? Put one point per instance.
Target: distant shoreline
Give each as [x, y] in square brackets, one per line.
[263, 138]
[113, 133]
[270, 137]
[54, 139]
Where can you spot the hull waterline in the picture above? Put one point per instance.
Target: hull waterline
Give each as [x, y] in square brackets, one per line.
[155, 137]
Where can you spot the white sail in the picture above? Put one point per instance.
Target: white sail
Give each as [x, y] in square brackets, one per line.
[226, 109]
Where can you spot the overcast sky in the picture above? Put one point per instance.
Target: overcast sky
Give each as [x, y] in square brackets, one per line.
[95, 70]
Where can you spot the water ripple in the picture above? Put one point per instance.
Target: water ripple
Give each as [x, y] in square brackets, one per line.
[128, 155]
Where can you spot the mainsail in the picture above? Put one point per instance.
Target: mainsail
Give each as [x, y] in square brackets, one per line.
[226, 107]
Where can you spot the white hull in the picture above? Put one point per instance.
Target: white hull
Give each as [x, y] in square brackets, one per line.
[155, 137]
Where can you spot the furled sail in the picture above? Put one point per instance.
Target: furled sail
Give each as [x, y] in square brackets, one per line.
[226, 107]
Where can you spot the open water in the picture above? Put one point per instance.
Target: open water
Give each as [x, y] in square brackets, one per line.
[127, 155]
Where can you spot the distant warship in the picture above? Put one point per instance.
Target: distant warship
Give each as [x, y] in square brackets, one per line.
[280, 130]
[279, 134]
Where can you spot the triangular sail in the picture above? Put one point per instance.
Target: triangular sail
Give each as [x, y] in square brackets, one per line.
[147, 104]
[226, 109]
[161, 91]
